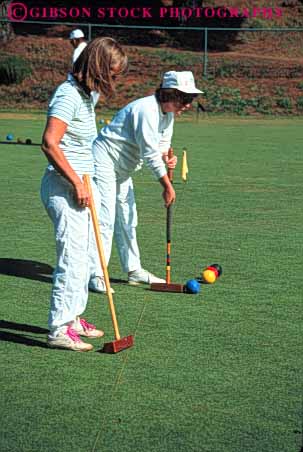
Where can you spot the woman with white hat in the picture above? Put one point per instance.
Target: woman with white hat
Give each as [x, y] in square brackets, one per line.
[139, 133]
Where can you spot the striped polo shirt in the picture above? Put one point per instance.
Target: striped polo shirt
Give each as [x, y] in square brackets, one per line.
[73, 106]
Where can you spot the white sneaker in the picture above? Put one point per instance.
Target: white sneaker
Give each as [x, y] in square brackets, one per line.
[69, 340]
[83, 328]
[97, 284]
[137, 277]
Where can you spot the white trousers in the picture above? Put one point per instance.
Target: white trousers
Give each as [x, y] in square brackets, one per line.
[77, 257]
[118, 212]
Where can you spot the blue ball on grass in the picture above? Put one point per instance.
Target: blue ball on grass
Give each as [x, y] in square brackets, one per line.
[192, 286]
[9, 137]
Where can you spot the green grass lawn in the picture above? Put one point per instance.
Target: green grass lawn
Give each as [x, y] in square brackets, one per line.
[218, 371]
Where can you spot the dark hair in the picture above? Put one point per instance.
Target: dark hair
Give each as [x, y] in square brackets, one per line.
[78, 40]
[94, 67]
[174, 95]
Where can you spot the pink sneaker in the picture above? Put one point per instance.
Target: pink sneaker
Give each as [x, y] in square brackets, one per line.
[83, 328]
[69, 340]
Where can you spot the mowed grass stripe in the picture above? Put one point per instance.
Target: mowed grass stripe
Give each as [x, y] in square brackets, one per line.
[220, 370]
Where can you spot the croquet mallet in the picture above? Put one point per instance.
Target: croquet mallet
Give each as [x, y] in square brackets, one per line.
[120, 343]
[168, 286]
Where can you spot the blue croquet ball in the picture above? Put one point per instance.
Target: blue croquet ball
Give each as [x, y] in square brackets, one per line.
[101, 121]
[192, 286]
[9, 137]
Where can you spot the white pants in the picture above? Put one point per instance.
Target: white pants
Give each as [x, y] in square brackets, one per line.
[118, 212]
[77, 257]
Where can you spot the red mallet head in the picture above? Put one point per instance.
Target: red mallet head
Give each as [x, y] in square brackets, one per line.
[118, 345]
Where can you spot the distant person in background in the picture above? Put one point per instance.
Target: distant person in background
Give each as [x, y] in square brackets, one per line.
[77, 40]
[67, 144]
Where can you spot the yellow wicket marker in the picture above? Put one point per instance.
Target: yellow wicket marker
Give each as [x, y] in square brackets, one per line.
[184, 168]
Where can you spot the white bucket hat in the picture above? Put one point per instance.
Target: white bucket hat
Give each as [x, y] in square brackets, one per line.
[76, 34]
[182, 81]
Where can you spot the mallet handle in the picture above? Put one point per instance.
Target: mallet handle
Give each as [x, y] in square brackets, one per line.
[169, 216]
[168, 242]
[170, 171]
[92, 208]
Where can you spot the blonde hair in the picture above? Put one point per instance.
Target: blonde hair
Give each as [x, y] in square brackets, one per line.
[93, 68]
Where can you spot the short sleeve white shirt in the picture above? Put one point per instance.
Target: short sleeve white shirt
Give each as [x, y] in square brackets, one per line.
[73, 106]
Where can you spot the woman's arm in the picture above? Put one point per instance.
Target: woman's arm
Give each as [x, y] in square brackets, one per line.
[54, 131]
[170, 162]
[168, 194]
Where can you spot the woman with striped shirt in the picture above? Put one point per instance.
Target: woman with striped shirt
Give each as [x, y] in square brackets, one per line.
[67, 144]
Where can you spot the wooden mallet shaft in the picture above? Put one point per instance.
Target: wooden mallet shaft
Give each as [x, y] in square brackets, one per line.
[169, 216]
[168, 286]
[120, 343]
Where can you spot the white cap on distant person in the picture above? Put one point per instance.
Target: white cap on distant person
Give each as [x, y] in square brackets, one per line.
[76, 34]
[182, 81]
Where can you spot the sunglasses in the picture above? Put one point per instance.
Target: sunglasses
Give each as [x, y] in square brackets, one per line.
[186, 98]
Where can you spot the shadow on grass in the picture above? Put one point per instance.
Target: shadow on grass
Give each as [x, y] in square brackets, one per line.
[118, 281]
[34, 270]
[20, 143]
[8, 336]
[26, 269]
